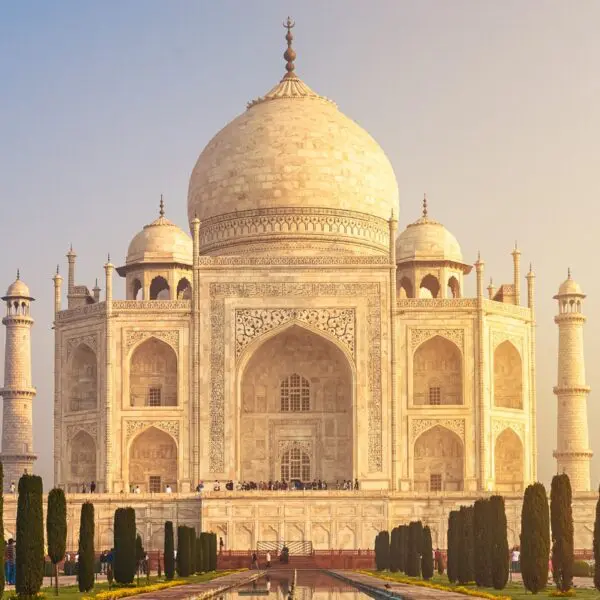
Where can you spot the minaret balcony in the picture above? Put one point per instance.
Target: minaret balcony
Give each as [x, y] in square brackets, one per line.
[17, 391]
[560, 390]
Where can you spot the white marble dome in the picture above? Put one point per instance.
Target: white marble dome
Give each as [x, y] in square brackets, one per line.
[160, 242]
[17, 289]
[427, 239]
[569, 287]
[284, 167]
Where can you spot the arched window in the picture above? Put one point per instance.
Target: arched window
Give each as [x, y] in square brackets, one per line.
[430, 287]
[295, 464]
[184, 290]
[406, 289]
[83, 379]
[136, 286]
[153, 375]
[295, 394]
[508, 376]
[159, 289]
[453, 288]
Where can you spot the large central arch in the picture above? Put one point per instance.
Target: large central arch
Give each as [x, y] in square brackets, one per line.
[296, 410]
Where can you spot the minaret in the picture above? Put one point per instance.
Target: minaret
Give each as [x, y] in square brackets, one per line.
[573, 454]
[18, 393]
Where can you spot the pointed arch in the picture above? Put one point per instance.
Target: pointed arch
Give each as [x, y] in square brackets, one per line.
[508, 461]
[508, 376]
[153, 374]
[429, 287]
[136, 287]
[184, 289]
[153, 460]
[319, 377]
[405, 288]
[82, 379]
[453, 287]
[438, 461]
[437, 373]
[159, 289]
[82, 459]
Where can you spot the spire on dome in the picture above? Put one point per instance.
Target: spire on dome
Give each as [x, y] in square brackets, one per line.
[424, 206]
[19, 274]
[289, 54]
[161, 210]
[568, 273]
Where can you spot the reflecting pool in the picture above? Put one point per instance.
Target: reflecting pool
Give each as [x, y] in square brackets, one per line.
[309, 585]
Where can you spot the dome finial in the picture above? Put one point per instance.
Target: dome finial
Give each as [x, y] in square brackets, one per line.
[161, 211]
[289, 54]
[568, 273]
[18, 274]
[424, 206]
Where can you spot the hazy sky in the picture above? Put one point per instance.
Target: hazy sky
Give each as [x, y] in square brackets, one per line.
[492, 108]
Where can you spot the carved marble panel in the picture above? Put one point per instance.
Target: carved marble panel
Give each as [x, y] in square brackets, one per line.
[418, 336]
[421, 425]
[90, 340]
[220, 291]
[134, 427]
[252, 323]
[73, 430]
[499, 336]
[499, 425]
[171, 337]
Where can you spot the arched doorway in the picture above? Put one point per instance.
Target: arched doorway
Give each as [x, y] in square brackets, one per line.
[82, 461]
[296, 410]
[508, 377]
[437, 373]
[508, 462]
[153, 375]
[83, 379]
[438, 461]
[153, 461]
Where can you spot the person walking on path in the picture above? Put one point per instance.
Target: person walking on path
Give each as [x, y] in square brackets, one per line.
[254, 564]
[268, 559]
[10, 557]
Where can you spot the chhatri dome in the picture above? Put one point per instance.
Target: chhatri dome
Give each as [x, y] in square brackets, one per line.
[427, 239]
[17, 289]
[569, 287]
[160, 242]
[295, 171]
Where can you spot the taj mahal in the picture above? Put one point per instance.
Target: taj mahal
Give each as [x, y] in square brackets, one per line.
[295, 334]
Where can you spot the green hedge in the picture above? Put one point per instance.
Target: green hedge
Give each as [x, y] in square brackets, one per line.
[169, 550]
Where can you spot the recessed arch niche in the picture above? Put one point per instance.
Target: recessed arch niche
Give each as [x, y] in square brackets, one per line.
[508, 376]
[153, 460]
[508, 461]
[153, 375]
[83, 379]
[268, 427]
[82, 459]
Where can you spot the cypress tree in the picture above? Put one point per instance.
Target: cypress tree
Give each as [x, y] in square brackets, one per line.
[427, 555]
[2, 582]
[183, 552]
[382, 551]
[394, 549]
[482, 542]
[597, 545]
[415, 544]
[213, 552]
[499, 542]
[56, 529]
[30, 536]
[453, 546]
[198, 549]
[192, 546]
[169, 551]
[205, 543]
[561, 518]
[87, 559]
[124, 555]
[402, 547]
[139, 556]
[466, 571]
[535, 538]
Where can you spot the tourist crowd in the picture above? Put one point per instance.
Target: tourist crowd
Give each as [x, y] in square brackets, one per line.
[294, 484]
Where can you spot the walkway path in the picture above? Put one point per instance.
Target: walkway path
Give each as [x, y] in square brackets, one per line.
[198, 591]
[395, 590]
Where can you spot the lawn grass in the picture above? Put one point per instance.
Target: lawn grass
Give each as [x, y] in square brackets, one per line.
[71, 592]
[515, 591]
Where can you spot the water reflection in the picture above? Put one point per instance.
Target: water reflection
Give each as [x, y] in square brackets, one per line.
[309, 585]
